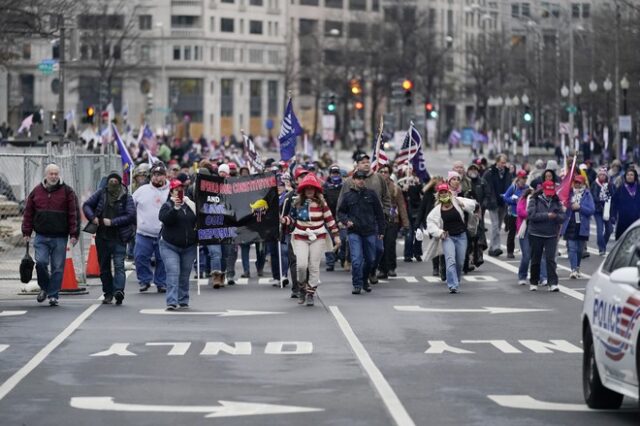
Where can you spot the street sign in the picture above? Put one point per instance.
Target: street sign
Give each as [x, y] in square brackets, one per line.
[329, 121]
[624, 123]
[48, 66]
[572, 109]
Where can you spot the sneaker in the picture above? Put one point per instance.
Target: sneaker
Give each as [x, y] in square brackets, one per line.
[330, 269]
[418, 258]
[285, 282]
[231, 282]
[436, 272]
[294, 295]
[408, 259]
[573, 275]
[586, 254]
[544, 283]
[309, 299]
[171, 307]
[41, 296]
[144, 287]
[245, 275]
[260, 273]
[511, 256]
[53, 301]
[367, 288]
[453, 290]
[119, 297]
[554, 288]
[382, 276]
[602, 253]
[162, 289]
[356, 290]
[392, 273]
[533, 287]
[372, 278]
[522, 282]
[578, 274]
[184, 306]
[495, 253]
[107, 299]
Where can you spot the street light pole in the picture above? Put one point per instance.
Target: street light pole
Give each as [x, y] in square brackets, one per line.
[163, 84]
[607, 86]
[624, 85]
[61, 65]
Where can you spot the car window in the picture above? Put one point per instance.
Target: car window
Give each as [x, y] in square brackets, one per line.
[625, 253]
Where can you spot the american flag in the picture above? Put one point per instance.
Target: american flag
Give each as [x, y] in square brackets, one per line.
[149, 143]
[253, 157]
[379, 156]
[409, 147]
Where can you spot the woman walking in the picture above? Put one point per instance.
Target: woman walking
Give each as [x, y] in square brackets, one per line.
[178, 244]
[311, 217]
[625, 204]
[545, 214]
[447, 227]
[511, 197]
[523, 238]
[576, 224]
[601, 192]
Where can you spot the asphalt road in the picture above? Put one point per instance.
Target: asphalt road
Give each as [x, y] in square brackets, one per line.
[407, 353]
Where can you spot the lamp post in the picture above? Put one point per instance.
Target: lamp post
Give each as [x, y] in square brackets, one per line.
[577, 91]
[624, 85]
[163, 83]
[593, 87]
[607, 85]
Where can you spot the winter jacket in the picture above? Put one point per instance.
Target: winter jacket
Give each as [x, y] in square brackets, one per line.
[398, 212]
[126, 217]
[178, 225]
[362, 207]
[413, 197]
[512, 196]
[148, 200]
[521, 212]
[52, 212]
[496, 186]
[311, 218]
[538, 222]
[601, 194]
[331, 193]
[434, 223]
[374, 182]
[477, 191]
[587, 208]
[625, 209]
[426, 205]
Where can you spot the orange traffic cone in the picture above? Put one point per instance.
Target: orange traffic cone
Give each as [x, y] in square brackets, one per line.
[69, 280]
[93, 268]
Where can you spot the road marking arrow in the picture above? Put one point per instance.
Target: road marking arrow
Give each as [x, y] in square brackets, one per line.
[11, 313]
[528, 403]
[227, 313]
[488, 310]
[225, 409]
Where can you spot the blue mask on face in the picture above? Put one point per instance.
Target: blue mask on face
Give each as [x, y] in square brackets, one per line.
[336, 180]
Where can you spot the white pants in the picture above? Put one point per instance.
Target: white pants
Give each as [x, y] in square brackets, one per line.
[308, 256]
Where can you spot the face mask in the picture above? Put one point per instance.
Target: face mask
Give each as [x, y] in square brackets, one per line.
[444, 199]
[113, 187]
[336, 179]
[473, 175]
[579, 190]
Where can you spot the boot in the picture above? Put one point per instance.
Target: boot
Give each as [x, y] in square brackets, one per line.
[311, 291]
[303, 293]
[213, 281]
[218, 279]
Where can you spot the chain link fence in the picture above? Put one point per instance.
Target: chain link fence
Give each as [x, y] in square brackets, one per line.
[21, 169]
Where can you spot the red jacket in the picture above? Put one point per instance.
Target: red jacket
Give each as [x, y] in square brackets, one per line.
[52, 212]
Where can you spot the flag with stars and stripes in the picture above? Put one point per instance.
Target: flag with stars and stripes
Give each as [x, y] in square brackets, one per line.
[409, 149]
[289, 131]
[379, 157]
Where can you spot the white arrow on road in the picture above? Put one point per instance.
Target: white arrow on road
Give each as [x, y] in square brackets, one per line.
[11, 313]
[225, 409]
[227, 313]
[487, 310]
[528, 403]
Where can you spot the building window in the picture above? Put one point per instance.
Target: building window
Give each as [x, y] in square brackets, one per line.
[255, 2]
[357, 4]
[145, 52]
[197, 53]
[308, 2]
[357, 29]
[332, 57]
[212, 54]
[176, 53]
[212, 23]
[227, 54]
[255, 98]
[515, 9]
[84, 52]
[575, 10]
[91, 22]
[226, 25]
[26, 51]
[375, 5]
[305, 86]
[145, 22]
[274, 57]
[226, 97]
[187, 53]
[307, 27]
[332, 28]
[586, 10]
[256, 56]
[526, 9]
[334, 4]
[272, 98]
[255, 27]
[185, 21]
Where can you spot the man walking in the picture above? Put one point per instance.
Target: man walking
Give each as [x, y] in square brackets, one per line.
[361, 212]
[498, 179]
[52, 212]
[148, 200]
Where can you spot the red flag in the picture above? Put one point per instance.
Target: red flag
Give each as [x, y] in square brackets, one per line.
[565, 186]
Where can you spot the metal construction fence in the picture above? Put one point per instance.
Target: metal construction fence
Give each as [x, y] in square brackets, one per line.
[21, 169]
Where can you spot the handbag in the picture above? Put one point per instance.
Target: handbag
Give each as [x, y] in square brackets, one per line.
[90, 228]
[26, 267]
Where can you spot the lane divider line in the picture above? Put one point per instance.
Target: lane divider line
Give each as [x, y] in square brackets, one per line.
[34, 362]
[389, 398]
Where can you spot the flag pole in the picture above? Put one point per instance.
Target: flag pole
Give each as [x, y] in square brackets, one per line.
[280, 246]
[198, 267]
[410, 144]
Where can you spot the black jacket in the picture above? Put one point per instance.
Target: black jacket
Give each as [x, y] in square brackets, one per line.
[538, 222]
[496, 186]
[478, 191]
[331, 195]
[363, 208]
[178, 226]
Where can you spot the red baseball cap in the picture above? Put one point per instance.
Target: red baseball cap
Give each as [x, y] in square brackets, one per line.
[299, 171]
[442, 187]
[521, 174]
[579, 178]
[233, 166]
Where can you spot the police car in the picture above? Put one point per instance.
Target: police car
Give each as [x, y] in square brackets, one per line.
[611, 326]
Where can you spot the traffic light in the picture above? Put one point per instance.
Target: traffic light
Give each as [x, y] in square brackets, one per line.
[355, 87]
[407, 85]
[527, 116]
[430, 109]
[331, 106]
[90, 112]
[359, 105]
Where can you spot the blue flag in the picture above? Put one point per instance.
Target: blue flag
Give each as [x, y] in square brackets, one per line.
[127, 162]
[289, 131]
[418, 162]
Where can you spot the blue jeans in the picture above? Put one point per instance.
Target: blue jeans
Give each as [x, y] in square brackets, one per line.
[363, 256]
[331, 256]
[525, 248]
[178, 262]
[215, 257]
[574, 248]
[50, 250]
[231, 256]
[260, 257]
[108, 251]
[412, 247]
[144, 249]
[454, 248]
[603, 231]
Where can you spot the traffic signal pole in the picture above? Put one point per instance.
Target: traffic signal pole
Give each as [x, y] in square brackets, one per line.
[61, 64]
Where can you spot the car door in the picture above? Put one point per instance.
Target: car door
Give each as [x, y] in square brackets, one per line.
[618, 322]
